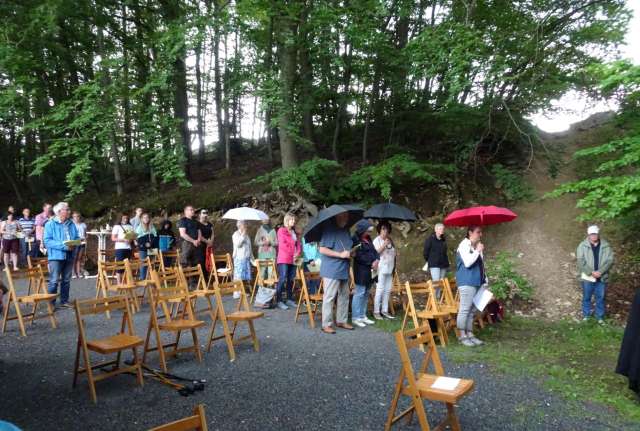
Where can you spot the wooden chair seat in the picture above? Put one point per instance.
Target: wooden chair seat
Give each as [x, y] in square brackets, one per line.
[36, 297]
[245, 315]
[423, 314]
[114, 343]
[316, 296]
[180, 325]
[425, 381]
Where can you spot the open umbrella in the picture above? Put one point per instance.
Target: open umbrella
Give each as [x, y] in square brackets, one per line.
[389, 211]
[315, 226]
[245, 213]
[480, 216]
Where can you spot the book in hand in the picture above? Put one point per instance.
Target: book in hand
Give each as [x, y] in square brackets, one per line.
[72, 242]
[588, 278]
[131, 235]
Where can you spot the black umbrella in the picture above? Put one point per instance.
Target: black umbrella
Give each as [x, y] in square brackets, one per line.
[315, 226]
[389, 211]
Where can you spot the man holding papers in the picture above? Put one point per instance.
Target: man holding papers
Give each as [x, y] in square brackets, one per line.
[595, 258]
[470, 276]
[60, 237]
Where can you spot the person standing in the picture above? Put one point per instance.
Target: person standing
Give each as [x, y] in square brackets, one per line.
[189, 230]
[335, 247]
[267, 240]
[629, 357]
[120, 235]
[41, 220]
[146, 240]
[166, 240]
[288, 250]
[242, 254]
[27, 246]
[60, 255]
[135, 220]
[387, 251]
[595, 258]
[79, 251]
[206, 246]
[310, 256]
[435, 253]
[470, 275]
[365, 260]
[10, 230]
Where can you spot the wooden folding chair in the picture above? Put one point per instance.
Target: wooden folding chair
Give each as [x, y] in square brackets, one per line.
[263, 266]
[33, 262]
[196, 275]
[132, 276]
[419, 385]
[222, 271]
[36, 283]
[429, 312]
[107, 282]
[397, 291]
[125, 339]
[197, 422]
[451, 297]
[164, 256]
[162, 297]
[308, 303]
[242, 313]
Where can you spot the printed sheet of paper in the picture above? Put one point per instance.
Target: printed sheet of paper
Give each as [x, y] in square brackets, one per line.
[586, 277]
[445, 383]
[482, 298]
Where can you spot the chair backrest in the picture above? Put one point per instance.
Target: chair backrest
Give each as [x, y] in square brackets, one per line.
[227, 289]
[193, 272]
[174, 255]
[263, 265]
[34, 276]
[451, 287]
[220, 261]
[33, 262]
[415, 291]
[102, 306]
[107, 269]
[197, 422]
[166, 290]
[420, 338]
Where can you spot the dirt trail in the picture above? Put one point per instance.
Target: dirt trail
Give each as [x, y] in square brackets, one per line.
[546, 234]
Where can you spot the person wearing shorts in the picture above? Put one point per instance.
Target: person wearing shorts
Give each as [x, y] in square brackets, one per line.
[10, 241]
[122, 244]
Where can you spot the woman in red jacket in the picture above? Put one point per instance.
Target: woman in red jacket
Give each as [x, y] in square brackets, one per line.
[288, 250]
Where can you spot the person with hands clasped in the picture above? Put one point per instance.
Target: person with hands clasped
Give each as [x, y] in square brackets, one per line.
[335, 247]
[288, 250]
[242, 254]
[470, 275]
[387, 251]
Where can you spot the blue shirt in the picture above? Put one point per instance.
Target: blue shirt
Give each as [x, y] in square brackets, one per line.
[336, 239]
[310, 251]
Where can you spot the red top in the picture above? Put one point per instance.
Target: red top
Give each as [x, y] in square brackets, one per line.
[288, 248]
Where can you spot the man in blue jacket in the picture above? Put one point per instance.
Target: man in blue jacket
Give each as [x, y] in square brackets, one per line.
[57, 231]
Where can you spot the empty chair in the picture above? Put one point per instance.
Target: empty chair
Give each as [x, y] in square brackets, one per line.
[197, 422]
[222, 270]
[308, 303]
[124, 339]
[429, 312]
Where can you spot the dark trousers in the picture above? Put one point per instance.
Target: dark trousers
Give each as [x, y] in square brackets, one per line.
[286, 276]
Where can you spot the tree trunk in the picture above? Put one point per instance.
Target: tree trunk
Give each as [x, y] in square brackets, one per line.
[306, 76]
[287, 54]
[199, 115]
[216, 72]
[342, 104]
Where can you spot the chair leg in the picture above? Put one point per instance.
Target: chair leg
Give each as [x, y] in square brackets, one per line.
[252, 330]
[422, 415]
[138, 367]
[394, 404]
[16, 304]
[76, 365]
[52, 315]
[229, 339]
[196, 344]
[160, 347]
[453, 418]
[34, 310]
[175, 348]
[89, 371]
[146, 345]
[5, 313]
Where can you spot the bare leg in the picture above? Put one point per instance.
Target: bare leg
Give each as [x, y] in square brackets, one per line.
[14, 260]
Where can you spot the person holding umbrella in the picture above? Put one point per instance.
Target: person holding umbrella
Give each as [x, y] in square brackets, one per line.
[242, 254]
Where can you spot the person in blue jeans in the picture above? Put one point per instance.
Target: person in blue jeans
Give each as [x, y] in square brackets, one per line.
[147, 240]
[60, 255]
[365, 259]
[595, 258]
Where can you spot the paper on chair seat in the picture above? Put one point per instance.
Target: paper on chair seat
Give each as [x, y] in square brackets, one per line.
[223, 269]
[445, 383]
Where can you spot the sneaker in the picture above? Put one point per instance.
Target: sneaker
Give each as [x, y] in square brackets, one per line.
[282, 306]
[388, 316]
[475, 341]
[359, 323]
[367, 321]
[585, 319]
[466, 342]
[600, 322]
[66, 305]
[74, 276]
[290, 303]
[377, 317]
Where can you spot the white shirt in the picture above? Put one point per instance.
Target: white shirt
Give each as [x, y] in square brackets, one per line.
[387, 256]
[241, 245]
[468, 254]
[120, 230]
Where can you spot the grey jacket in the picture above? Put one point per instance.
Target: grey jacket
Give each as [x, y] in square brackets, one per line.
[584, 256]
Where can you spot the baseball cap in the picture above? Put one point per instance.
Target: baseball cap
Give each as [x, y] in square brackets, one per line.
[593, 229]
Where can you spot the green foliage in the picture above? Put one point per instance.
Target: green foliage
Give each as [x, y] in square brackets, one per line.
[504, 280]
[511, 184]
[312, 178]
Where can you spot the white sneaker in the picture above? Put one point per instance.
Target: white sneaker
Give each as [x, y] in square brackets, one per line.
[388, 316]
[368, 321]
[475, 341]
[377, 317]
[359, 323]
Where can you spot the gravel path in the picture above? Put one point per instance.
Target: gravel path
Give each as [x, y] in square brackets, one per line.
[301, 379]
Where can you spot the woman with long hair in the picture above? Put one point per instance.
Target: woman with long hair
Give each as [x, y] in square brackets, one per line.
[387, 251]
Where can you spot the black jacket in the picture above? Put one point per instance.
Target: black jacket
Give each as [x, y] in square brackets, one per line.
[435, 252]
[365, 255]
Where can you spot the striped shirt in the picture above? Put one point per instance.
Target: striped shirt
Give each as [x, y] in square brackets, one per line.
[27, 225]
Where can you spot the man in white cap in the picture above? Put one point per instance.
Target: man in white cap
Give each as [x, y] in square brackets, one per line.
[595, 258]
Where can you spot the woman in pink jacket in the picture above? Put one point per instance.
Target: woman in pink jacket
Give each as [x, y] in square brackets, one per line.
[288, 250]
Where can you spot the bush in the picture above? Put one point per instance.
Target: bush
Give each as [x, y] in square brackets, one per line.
[312, 178]
[504, 281]
[511, 184]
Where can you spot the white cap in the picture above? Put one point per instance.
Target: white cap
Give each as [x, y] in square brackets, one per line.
[593, 229]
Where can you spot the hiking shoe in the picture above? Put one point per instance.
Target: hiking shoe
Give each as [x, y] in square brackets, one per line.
[66, 305]
[367, 321]
[290, 303]
[388, 316]
[475, 341]
[377, 317]
[282, 306]
[466, 342]
[359, 323]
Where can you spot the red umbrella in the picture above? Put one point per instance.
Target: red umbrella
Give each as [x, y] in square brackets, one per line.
[480, 216]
